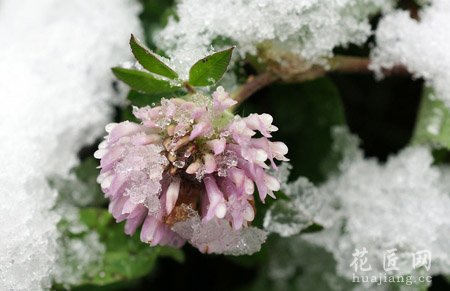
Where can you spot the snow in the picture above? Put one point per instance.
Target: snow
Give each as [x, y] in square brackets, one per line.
[309, 28]
[78, 255]
[421, 45]
[403, 204]
[55, 86]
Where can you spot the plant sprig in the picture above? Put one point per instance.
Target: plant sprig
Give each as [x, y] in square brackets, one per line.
[158, 78]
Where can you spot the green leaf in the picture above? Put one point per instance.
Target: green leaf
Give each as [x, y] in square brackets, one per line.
[150, 61]
[210, 69]
[143, 82]
[126, 258]
[315, 227]
[433, 122]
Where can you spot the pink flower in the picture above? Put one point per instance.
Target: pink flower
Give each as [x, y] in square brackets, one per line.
[187, 156]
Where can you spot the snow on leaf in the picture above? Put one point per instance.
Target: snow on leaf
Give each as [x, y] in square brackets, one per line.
[143, 82]
[290, 217]
[210, 69]
[149, 60]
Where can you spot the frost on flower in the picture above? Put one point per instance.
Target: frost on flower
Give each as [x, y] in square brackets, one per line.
[191, 164]
[421, 45]
[218, 236]
[296, 25]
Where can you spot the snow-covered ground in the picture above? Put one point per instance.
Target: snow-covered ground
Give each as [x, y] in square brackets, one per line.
[55, 97]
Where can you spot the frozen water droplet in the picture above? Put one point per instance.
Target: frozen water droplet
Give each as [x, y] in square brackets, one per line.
[222, 172]
[200, 173]
[179, 164]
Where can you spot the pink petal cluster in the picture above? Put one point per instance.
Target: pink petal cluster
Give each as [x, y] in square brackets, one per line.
[187, 153]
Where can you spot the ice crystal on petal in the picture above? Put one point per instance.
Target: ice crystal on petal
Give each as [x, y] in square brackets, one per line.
[191, 152]
[217, 236]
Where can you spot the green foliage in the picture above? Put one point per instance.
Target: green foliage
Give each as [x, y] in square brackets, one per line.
[210, 69]
[149, 60]
[125, 258]
[144, 82]
[433, 122]
[205, 72]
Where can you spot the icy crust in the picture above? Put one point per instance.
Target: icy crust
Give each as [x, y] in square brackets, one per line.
[420, 45]
[217, 236]
[55, 82]
[297, 25]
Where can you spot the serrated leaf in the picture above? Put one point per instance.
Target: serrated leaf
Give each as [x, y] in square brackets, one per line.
[433, 122]
[149, 60]
[210, 69]
[143, 82]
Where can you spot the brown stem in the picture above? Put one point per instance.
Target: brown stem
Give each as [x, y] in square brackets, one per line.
[347, 64]
[189, 88]
[253, 84]
[338, 64]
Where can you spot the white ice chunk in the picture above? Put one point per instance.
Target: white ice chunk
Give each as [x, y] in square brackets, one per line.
[420, 45]
[56, 88]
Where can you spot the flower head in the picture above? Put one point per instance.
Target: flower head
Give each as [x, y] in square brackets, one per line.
[187, 156]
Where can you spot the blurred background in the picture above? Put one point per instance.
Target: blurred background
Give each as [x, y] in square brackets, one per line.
[381, 113]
